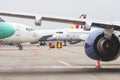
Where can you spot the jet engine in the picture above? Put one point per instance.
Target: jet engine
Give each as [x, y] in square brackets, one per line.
[38, 20]
[98, 47]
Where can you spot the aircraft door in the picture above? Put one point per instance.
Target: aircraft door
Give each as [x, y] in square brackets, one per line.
[18, 31]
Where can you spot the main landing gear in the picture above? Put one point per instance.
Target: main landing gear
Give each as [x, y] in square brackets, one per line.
[20, 47]
[65, 43]
[42, 43]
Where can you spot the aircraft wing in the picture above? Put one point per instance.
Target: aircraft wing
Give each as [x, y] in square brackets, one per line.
[39, 18]
[87, 23]
[45, 37]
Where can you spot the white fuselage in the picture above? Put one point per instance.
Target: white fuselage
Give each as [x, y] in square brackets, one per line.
[72, 34]
[65, 34]
[23, 34]
[46, 32]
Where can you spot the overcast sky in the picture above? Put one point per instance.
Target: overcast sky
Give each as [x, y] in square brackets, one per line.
[95, 9]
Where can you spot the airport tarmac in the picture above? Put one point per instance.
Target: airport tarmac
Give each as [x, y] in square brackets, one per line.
[43, 63]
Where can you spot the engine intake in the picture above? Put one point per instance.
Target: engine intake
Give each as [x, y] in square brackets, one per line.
[99, 48]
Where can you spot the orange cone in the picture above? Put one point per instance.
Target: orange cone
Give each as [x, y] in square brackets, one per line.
[38, 45]
[98, 66]
[35, 53]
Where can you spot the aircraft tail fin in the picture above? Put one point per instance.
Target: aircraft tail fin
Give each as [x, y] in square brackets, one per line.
[83, 16]
[76, 26]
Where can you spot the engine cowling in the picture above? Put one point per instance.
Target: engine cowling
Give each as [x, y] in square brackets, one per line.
[99, 48]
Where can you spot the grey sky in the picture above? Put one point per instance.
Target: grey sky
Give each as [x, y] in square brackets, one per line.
[97, 9]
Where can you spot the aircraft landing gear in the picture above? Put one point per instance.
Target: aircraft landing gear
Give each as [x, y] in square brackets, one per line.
[65, 43]
[43, 43]
[20, 47]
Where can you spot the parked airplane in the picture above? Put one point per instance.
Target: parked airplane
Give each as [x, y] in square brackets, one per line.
[70, 35]
[101, 45]
[73, 35]
[14, 33]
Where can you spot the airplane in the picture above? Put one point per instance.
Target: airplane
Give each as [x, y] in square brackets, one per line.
[70, 35]
[73, 35]
[14, 33]
[101, 45]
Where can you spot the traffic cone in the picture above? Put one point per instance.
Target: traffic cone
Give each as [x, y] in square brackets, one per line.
[98, 66]
[38, 45]
[35, 53]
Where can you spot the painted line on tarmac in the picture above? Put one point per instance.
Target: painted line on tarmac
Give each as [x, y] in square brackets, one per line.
[48, 67]
[56, 67]
[65, 63]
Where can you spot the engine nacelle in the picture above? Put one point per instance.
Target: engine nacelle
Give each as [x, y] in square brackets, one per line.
[99, 48]
[38, 20]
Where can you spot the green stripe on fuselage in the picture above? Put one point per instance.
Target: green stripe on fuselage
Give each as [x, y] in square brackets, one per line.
[6, 30]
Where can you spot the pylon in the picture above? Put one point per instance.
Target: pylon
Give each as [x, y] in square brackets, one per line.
[98, 66]
[35, 53]
[38, 45]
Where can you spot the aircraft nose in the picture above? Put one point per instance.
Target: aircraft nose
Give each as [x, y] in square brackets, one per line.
[6, 30]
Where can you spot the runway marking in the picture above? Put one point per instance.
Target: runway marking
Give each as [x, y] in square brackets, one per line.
[48, 67]
[65, 63]
[58, 67]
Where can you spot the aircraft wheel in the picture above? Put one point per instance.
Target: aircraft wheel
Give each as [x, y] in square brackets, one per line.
[42, 44]
[20, 47]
